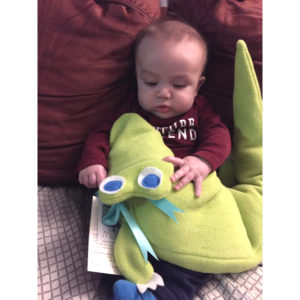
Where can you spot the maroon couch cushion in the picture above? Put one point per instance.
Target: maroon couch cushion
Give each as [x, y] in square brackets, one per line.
[223, 22]
[84, 70]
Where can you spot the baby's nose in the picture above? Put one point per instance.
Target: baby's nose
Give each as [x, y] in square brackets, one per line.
[164, 92]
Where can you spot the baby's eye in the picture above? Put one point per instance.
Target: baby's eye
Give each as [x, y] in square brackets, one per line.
[150, 178]
[112, 184]
[151, 83]
[179, 86]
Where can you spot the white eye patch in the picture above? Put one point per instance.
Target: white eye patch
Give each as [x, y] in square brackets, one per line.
[150, 178]
[112, 184]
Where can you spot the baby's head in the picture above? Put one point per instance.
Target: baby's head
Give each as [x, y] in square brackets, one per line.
[170, 59]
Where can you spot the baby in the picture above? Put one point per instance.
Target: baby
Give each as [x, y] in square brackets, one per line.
[170, 58]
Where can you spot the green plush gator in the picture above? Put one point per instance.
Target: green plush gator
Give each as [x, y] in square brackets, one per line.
[219, 232]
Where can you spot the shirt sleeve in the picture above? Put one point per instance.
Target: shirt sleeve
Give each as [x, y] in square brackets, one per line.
[96, 147]
[215, 142]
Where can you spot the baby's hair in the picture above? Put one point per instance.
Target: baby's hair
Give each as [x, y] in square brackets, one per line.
[174, 30]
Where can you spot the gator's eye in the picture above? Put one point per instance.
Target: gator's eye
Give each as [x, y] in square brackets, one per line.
[150, 178]
[112, 184]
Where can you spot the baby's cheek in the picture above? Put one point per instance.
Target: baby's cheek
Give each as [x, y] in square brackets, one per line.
[145, 99]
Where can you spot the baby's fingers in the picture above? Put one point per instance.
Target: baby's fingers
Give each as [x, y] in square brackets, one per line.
[92, 181]
[100, 175]
[183, 171]
[198, 186]
[184, 181]
[176, 161]
[84, 179]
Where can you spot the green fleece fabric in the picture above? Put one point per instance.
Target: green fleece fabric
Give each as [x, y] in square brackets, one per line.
[219, 232]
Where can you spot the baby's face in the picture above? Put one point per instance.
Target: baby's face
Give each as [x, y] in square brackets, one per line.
[168, 75]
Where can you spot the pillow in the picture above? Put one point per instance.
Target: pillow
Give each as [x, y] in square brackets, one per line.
[85, 53]
[222, 23]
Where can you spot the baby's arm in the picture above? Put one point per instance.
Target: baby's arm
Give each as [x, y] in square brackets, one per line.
[92, 176]
[210, 154]
[214, 137]
[92, 166]
[191, 168]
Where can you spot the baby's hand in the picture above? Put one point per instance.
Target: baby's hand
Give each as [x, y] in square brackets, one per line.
[92, 176]
[191, 168]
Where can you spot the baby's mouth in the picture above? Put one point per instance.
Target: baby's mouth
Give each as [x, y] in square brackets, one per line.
[162, 108]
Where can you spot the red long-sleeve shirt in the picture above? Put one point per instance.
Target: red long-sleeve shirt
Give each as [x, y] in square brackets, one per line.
[198, 132]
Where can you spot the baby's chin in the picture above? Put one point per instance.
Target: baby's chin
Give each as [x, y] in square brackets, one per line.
[163, 112]
[166, 115]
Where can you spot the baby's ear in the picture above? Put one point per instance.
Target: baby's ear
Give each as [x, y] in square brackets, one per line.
[200, 82]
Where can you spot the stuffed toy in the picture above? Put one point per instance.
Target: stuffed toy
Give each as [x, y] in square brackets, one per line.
[219, 232]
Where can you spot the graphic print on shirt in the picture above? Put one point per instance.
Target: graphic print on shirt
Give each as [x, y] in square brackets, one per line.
[183, 129]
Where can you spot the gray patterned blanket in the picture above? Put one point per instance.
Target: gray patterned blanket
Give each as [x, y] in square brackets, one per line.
[63, 227]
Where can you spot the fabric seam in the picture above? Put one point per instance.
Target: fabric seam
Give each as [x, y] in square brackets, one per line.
[133, 7]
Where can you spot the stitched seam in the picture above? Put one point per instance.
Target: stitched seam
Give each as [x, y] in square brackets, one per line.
[133, 7]
[210, 6]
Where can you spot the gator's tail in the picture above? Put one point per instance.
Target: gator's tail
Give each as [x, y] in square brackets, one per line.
[247, 145]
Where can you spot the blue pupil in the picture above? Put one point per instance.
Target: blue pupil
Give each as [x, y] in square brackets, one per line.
[113, 185]
[151, 181]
